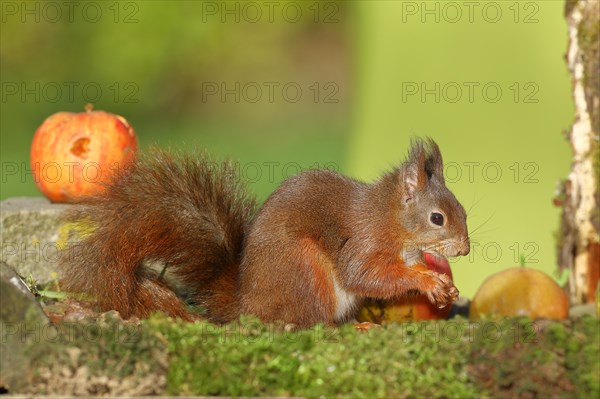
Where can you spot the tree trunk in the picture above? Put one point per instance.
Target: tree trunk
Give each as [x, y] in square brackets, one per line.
[578, 246]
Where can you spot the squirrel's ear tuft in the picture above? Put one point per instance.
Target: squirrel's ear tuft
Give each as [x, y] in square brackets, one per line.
[423, 162]
[434, 165]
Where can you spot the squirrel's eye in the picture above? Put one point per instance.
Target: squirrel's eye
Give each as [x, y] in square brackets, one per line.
[437, 218]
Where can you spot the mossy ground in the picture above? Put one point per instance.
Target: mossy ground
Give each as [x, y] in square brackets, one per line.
[444, 359]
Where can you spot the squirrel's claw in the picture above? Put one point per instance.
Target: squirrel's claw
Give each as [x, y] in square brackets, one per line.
[444, 292]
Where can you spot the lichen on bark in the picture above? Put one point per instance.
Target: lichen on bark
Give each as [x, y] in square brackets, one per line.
[579, 247]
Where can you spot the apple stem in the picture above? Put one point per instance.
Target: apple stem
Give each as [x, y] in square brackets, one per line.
[522, 260]
[89, 107]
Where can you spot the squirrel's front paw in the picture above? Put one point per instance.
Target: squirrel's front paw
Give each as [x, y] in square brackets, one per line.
[444, 292]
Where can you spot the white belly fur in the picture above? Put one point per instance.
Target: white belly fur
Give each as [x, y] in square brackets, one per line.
[345, 301]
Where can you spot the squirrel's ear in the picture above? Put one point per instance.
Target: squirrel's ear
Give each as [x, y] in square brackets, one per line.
[409, 181]
[413, 175]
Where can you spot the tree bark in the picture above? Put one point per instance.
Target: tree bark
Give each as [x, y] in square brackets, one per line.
[578, 246]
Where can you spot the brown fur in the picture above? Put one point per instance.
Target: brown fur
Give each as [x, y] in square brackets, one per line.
[319, 244]
[185, 211]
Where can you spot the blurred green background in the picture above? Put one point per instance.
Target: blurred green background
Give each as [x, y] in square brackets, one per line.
[286, 85]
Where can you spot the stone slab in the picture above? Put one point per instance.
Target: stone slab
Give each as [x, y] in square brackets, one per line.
[31, 234]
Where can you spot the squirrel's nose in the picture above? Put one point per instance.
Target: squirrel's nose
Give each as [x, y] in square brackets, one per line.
[466, 247]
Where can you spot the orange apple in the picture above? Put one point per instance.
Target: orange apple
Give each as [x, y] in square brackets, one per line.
[74, 154]
[415, 307]
[520, 291]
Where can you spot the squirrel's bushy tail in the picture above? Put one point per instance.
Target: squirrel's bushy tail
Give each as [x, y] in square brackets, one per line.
[172, 226]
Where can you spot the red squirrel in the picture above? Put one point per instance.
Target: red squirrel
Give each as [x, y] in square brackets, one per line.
[180, 229]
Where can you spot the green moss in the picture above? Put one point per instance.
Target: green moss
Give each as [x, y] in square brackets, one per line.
[248, 358]
[583, 348]
[106, 350]
[437, 359]
[540, 359]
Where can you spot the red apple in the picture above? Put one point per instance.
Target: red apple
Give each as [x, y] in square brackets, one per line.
[438, 264]
[520, 291]
[73, 154]
[416, 307]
